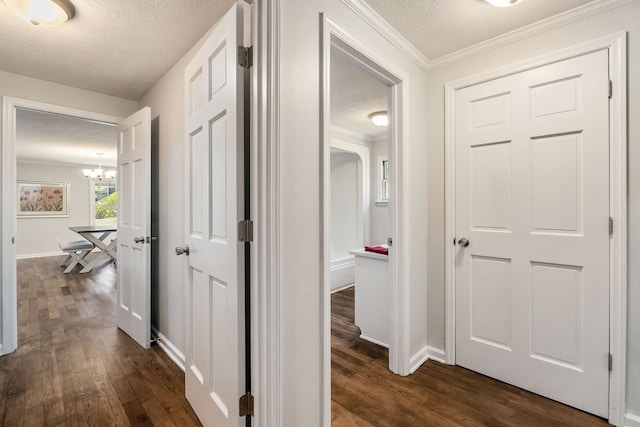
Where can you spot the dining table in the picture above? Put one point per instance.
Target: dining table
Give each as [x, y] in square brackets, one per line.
[98, 234]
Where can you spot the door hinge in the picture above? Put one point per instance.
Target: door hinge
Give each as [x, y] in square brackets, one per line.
[610, 362]
[246, 405]
[610, 226]
[610, 88]
[245, 56]
[245, 231]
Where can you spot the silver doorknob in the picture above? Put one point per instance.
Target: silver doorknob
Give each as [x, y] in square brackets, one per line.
[184, 250]
[140, 239]
[464, 242]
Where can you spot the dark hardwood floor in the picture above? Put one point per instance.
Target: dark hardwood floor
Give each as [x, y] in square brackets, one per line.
[74, 367]
[366, 393]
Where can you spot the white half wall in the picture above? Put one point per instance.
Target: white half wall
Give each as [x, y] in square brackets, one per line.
[40, 236]
[343, 272]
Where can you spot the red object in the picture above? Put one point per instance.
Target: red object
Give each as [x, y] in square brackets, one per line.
[377, 249]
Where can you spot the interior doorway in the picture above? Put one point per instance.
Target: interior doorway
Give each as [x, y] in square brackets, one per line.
[19, 109]
[359, 192]
[376, 296]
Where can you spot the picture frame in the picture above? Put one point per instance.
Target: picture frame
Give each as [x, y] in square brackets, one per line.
[43, 199]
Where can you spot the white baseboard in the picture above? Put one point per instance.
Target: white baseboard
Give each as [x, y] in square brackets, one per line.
[375, 341]
[171, 350]
[42, 255]
[418, 359]
[342, 288]
[436, 354]
[631, 420]
[343, 272]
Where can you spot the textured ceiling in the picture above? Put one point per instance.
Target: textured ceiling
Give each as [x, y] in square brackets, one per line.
[123, 47]
[355, 95]
[440, 27]
[55, 138]
[117, 47]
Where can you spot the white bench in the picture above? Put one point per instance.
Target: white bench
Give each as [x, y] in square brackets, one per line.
[76, 252]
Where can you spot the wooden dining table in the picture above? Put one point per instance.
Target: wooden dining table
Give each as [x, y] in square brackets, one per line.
[98, 236]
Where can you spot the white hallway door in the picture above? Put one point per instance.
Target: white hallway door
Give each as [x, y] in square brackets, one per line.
[214, 350]
[134, 226]
[532, 200]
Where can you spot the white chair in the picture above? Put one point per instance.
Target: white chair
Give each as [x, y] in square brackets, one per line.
[76, 252]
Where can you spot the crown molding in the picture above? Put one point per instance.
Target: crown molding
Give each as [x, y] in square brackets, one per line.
[576, 14]
[339, 132]
[371, 17]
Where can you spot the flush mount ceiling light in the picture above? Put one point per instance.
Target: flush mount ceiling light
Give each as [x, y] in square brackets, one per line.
[45, 13]
[379, 118]
[503, 3]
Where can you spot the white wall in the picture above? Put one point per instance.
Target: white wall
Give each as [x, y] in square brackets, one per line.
[347, 218]
[52, 93]
[166, 99]
[346, 204]
[17, 86]
[625, 18]
[379, 214]
[38, 236]
[299, 204]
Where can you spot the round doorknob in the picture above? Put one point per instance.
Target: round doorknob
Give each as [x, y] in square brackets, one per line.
[464, 242]
[184, 250]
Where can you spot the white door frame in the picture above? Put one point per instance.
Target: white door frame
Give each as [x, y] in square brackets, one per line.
[8, 203]
[616, 46]
[333, 36]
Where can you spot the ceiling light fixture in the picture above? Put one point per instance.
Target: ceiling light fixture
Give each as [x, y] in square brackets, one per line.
[45, 13]
[503, 3]
[99, 174]
[379, 118]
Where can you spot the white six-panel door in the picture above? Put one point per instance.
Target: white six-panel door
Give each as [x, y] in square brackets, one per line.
[532, 198]
[134, 222]
[214, 348]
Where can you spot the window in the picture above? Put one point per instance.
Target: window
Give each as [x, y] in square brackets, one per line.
[104, 203]
[383, 181]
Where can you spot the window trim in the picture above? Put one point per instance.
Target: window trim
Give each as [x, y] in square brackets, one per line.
[92, 198]
[381, 200]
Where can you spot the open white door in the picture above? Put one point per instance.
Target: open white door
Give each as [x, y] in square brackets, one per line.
[134, 226]
[214, 137]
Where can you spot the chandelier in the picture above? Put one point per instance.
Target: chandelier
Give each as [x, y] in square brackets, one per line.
[99, 174]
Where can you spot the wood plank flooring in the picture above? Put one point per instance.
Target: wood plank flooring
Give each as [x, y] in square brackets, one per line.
[366, 393]
[74, 367]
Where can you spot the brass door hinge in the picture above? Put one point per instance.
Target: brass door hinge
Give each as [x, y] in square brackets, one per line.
[246, 405]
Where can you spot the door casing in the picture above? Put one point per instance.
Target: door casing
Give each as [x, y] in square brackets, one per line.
[333, 36]
[616, 46]
[8, 203]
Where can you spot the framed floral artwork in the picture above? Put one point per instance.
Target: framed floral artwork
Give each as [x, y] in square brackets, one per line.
[43, 199]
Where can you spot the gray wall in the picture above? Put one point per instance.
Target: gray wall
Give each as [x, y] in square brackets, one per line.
[625, 18]
[39, 236]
